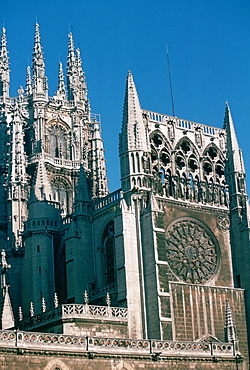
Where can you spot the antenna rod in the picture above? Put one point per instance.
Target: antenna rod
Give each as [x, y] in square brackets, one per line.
[170, 83]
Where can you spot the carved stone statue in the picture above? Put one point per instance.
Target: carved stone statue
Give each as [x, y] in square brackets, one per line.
[4, 267]
[189, 190]
[174, 186]
[195, 192]
[202, 192]
[216, 194]
[210, 193]
[167, 185]
[182, 188]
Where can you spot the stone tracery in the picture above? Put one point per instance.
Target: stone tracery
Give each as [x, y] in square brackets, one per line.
[191, 252]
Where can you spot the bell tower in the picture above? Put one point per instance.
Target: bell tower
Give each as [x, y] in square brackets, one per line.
[177, 205]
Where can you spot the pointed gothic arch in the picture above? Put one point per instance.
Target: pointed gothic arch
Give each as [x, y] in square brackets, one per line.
[157, 139]
[108, 248]
[56, 364]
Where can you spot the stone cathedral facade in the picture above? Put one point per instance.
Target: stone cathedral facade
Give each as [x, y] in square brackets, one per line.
[149, 276]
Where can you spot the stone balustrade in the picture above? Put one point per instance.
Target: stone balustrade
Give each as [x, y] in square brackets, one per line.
[109, 199]
[62, 342]
[80, 311]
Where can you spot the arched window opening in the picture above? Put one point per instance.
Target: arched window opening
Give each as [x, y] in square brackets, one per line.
[133, 162]
[165, 158]
[212, 152]
[192, 164]
[162, 175]
[179, 162]
[157, 140]
[185, 147]
[207, 168]
[138, 162]
[109, 253]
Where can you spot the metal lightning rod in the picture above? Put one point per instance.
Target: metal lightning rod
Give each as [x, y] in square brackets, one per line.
[170, 82]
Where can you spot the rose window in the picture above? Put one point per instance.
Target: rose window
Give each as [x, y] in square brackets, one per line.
[191, 252]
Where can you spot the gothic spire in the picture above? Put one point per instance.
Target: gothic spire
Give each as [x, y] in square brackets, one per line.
[40, 84]
[17, 181]
[75, 76]
[230, 331]
[234, 151]
[133, 131]
[61, 89]
[4, 67]
[99, 176]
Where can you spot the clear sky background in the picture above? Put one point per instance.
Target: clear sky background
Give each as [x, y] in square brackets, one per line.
[209, 50]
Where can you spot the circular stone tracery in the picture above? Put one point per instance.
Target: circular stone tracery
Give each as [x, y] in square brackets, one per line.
[191, 252]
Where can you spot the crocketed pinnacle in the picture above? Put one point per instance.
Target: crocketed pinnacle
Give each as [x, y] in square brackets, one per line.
[230, 331]
[133, 131]
[42, 187]
[71, 51]
[4, 59]
[16, 160]
[61, 89]
[4, 66]
[75, 76]
[38, 59]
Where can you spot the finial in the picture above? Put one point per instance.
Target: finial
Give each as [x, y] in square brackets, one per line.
[20, 313]
[43, 305]
[55, 300]
[31, 309]
[108, 299]
[129, 73]
[85, 297]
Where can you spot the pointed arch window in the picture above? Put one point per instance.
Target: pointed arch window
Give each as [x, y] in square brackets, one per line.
[109, 253]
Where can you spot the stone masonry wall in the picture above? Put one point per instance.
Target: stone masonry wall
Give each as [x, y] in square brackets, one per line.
[37, 360]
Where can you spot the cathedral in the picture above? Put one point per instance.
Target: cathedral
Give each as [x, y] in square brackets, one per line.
[154, 275]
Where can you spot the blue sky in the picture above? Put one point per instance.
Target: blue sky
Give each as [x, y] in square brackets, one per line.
[209, 50]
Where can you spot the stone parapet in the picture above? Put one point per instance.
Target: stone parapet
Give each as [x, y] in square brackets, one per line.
[75, 311]
[72, 343]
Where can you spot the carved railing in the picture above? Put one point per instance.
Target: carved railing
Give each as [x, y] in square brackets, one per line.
[187, 348]
[75, 310]
[85, 310]
[182, 123]
[51, 341]
[111, 198]
[33, 158]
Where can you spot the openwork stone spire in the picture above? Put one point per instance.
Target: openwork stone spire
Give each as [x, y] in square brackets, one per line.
[75, 76]
[4, 67]
[230, 331]
[40, 85]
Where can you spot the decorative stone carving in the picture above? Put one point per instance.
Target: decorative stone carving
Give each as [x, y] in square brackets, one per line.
[223, 223]
[191, 252]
